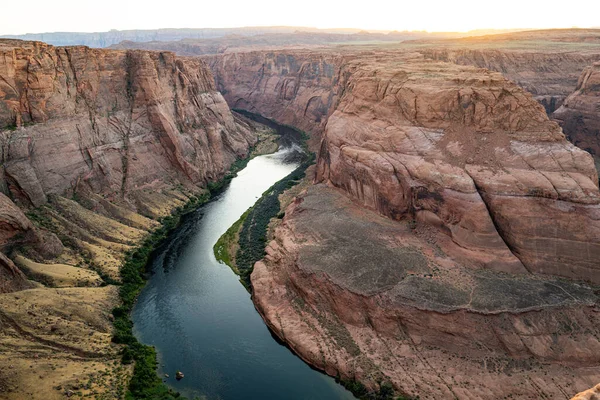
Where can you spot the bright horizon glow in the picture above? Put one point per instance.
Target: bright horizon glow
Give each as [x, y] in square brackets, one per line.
[42, 16]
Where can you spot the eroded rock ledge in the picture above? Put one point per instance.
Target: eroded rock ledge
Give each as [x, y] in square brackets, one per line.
[462, 147]
[580, 114]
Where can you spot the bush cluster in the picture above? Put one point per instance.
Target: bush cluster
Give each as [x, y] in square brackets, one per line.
[145, 383]
[385, 392]
[253, 235]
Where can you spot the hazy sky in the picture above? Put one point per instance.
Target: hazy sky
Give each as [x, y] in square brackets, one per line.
[432, 15]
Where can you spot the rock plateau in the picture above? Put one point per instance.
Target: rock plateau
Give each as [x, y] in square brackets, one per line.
[447, 245]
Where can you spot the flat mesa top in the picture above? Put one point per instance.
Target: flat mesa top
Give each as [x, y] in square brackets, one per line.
[371, 255]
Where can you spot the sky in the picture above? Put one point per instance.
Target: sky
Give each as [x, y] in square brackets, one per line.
[431, 15]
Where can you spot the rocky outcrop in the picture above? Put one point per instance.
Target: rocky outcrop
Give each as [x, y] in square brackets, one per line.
[14, 225]
[549, 75]
[369, 299]
[116, 121]
[460, 147]
[547, 64]
[579, 116]
[15, 228]
[11, 277]
[455, 292]
[590, 394]
[297, 88]
[472, 153]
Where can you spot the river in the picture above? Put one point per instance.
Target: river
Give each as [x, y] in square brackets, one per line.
[202, 321]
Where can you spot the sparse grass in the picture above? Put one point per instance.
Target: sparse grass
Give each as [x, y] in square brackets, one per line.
[226, 247]
[145, 382]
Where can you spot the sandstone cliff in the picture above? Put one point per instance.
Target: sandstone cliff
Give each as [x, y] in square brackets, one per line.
[549, 75]
[547, 64]
[297, 88]
[455, 292]
[95, 146]
[366, 298]
[415, 139]
[579, 116]
[115, 121]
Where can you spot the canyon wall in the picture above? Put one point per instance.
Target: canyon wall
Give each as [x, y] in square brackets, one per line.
[550, 76]
[485, 203]
[554, 68]
[413, 138]
[96, 146]
[297, 88]
[579, 115]
[115, 121]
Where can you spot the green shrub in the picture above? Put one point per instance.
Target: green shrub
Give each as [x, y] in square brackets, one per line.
[253, 234]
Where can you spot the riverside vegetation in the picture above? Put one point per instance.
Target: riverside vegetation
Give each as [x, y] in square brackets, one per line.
[145, 382]
[245, 241]
[248, 236]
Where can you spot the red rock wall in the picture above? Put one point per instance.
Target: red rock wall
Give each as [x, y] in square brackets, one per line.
[476, 155]
[579, 116]
[297, 88]
[549, 76]
[114, 123]
[460, 147]
[117, 121]
[329, 287]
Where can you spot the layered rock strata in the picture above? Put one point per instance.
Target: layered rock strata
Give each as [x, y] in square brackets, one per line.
[448, 205]
[96, 145]
[116, 121]
[296, 88]
[548, 74]
[579, 116]
[363, 297]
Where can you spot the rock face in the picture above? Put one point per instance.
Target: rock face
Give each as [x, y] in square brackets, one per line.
[11, 277]
[579, 116]
[423, 140]
[472, 153]
[546, 63]
[15, 228]
[14, 224]
[428, 255]
[549, 75]
[366, 298]
[95, 144]
[115, 121]
[297, 88]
